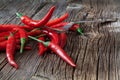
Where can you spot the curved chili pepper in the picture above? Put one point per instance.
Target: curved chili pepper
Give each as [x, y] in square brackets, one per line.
[42, 48]
[60, 25]
[74, 27]
[9, 27]
[57, 20]
[3, 38]
[63, 38]
[2, 34]
[17, 35]
[34, 32]
[28, 28]
[28, 21]
[4, 28]
[6, 34]
[4, 43]
[23, 37]
[10, 49]
[54, 37]
[58, 50]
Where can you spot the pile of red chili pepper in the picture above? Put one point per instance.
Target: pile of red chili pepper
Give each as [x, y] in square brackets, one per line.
[15, 37]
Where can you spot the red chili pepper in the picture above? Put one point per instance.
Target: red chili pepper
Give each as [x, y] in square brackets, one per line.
[74, 27]
[28, 28]
[17, 35]
[54, 37]
[60, 25]
[2, 34]
[26, 47]
[34, 32]
[9, 27]
[58, 50]
[28, 21]
[23, 37]
[7, 33]
[17, 41]
[63, 38]
[57, 20]
[4, 28]
[4, 43]
[10, 49]
[3, 38]
[42, 48]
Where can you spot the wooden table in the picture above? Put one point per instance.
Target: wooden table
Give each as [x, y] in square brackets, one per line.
[96, 53]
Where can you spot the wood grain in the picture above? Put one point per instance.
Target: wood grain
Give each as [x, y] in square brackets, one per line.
[96, 53]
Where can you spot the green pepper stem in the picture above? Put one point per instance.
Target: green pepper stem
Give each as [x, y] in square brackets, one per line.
[19, 14]
[45, 43]
[23, 40]
[11, 34]
[6, 37]
[79, 30]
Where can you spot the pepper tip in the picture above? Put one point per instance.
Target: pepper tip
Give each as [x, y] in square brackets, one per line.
[14, 65]
[73, 65]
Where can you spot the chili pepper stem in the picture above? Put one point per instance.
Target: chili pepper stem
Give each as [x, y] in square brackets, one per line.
[19, 15]
[45, 43]
[11, 34]
[23, 40]
[6, 37]
[80, 31]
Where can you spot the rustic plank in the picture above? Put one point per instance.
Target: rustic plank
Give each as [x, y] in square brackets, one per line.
[8, 12]
[96, 53]
[110, 57]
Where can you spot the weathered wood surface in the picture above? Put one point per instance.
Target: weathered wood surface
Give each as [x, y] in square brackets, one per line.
[96, 53]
